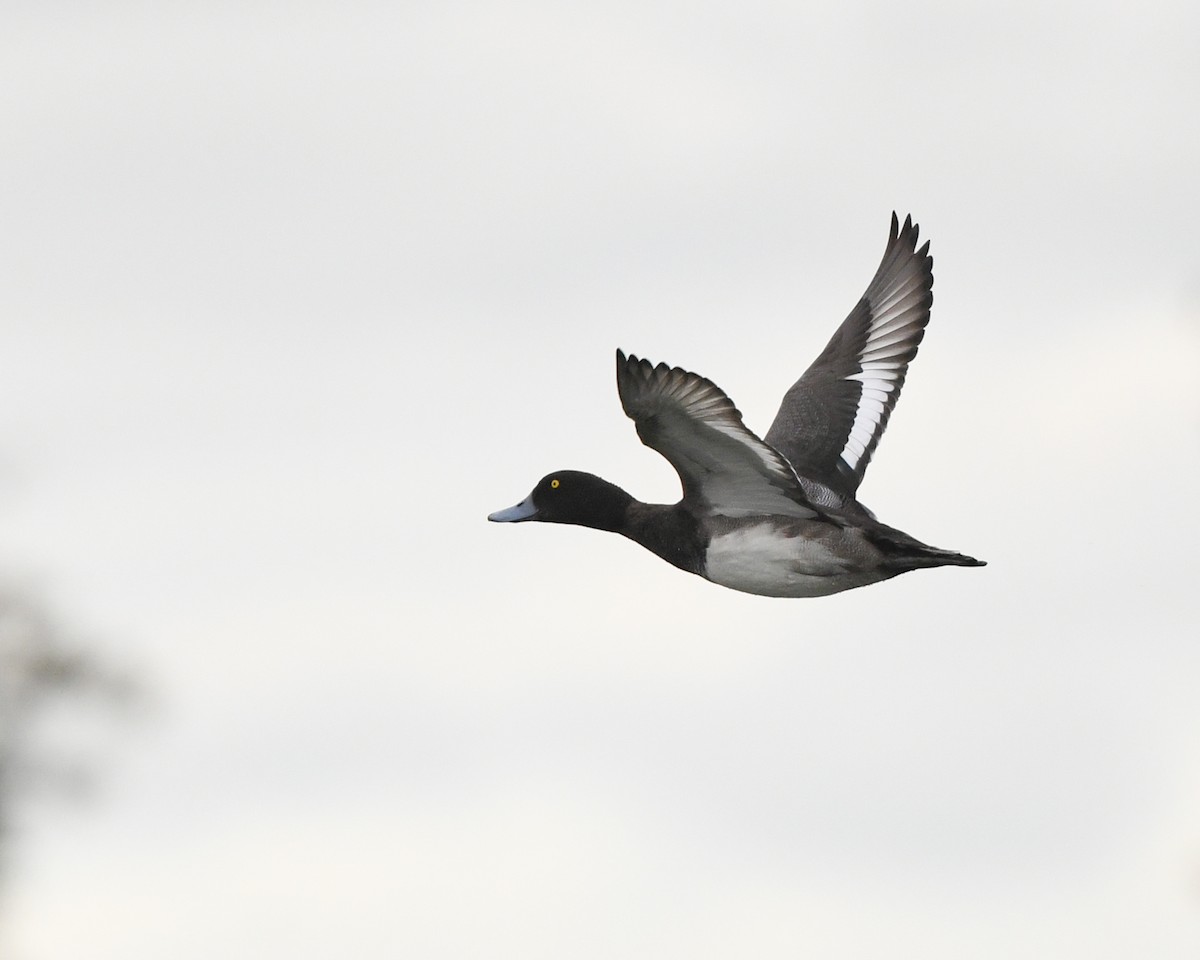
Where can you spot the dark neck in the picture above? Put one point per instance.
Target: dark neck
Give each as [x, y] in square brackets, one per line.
[668, 531]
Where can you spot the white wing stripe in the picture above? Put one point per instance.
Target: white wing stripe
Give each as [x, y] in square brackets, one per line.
[884, 378]
[889, 336]
[856, 444]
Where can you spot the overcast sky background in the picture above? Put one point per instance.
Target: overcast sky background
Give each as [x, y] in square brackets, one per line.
[295, 294]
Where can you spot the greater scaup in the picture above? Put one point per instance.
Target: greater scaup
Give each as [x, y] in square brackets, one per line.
[779, 516]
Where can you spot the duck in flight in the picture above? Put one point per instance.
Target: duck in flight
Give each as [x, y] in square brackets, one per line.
[776, 516]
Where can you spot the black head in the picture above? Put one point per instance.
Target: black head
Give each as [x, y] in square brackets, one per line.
[569, 496]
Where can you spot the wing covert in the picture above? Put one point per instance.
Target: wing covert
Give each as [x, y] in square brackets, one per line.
[695, 426]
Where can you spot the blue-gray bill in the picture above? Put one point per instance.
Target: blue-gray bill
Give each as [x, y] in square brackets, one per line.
[525, 510]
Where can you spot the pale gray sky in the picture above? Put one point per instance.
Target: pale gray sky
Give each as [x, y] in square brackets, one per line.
[295, 294]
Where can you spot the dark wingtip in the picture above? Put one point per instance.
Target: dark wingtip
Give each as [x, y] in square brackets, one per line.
[909, 233]
[630, 369]
[626, 364]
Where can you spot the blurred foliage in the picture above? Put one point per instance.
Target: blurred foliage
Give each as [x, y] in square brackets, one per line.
[46, 677]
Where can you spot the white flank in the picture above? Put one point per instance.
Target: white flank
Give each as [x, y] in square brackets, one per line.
[762, 560]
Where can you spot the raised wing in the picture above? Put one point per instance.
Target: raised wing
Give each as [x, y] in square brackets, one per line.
[724, 467]
[832, 418]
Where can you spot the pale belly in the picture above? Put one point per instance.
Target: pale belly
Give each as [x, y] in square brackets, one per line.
[766, 562]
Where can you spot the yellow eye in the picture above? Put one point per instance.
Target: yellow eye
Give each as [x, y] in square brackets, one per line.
[554, 484]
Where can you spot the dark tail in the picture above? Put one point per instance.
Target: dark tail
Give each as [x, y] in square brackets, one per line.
[932, 557]
[907, 553]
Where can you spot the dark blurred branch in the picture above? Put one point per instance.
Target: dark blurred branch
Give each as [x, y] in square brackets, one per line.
[40, 671]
